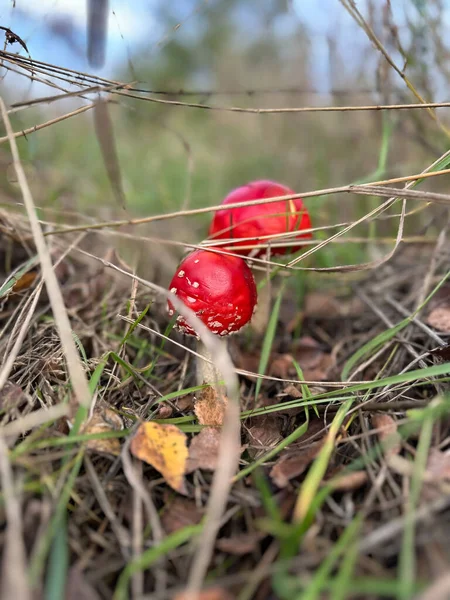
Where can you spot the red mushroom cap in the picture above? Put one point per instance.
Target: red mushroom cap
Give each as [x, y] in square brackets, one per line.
[261, 220]
[219, 288]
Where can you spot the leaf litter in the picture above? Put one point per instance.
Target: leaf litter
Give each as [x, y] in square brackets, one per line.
[180, 458]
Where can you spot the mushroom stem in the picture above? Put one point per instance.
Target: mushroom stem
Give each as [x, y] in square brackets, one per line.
[207, 372]
[261, 316]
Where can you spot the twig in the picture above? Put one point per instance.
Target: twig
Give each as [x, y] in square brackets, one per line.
[76, 372]
[14, 581]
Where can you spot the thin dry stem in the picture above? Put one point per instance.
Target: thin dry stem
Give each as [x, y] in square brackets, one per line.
[76, 372]
[14, 565]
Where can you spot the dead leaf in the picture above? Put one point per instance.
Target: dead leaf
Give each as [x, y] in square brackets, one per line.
[326, 305]
[313, 360]
[78, 587]
[180, 512]
[164, 448]
[437, 475]
[101, 421]
[438, 466]
[442, 352]
[388, 435]
[165, 411]
[212, 593]
[295, 459]
[264, 434]
[185, 403]
[293, 464]
[210, 407]
[24, 282]
[204, 450]
[11, 396]
[439, 319]
[310, 355]
[349, 481]
[292, 391]
[240, 544]
[282, 366]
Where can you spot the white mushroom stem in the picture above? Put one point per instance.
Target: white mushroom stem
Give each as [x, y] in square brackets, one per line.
[262, 313]
[207, 372]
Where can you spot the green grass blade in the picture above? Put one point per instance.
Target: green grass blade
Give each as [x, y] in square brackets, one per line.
[322, 574]
[407, 564]
[295, 435]
[150, 556]
[80, 347]
[346, 392]
[378, 341]
[56, 576]
[14, 277]
[316, 473]
[342, 585]
[39, 558]
[268, 340]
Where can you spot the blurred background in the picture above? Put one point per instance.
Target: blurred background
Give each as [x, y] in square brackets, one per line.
[233, 53]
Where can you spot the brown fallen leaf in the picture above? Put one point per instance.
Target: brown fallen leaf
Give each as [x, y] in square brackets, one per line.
[388, 435]
[204, 450]
[264, 433]
[441, 352]
[281, 365]
[180, 512]
[103, 420]
[212, 593]
[437, 475]
[78, 587]
[439, 318]
[310, 355]
[349, 482]
[185, 403]
[165, 411]
[240, 544]
[293, 464]
[326, 305]
[164, 448]
[210, 407]
[11, 396]
[294, 460]
[313, 360]
[438, 465]
[24, 282]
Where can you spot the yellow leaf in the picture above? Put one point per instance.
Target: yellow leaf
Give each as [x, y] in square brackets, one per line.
[164, 447]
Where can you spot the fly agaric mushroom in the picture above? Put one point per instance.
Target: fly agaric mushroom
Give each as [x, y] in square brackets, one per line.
[221, 291]
[249, 226]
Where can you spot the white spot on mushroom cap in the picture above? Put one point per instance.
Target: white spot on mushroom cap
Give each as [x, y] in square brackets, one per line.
[181, 273]
[196, 284]
[174, 290]
[196, 261]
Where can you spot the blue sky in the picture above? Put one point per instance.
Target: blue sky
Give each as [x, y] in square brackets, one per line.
[132, 22]
[130, 19]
